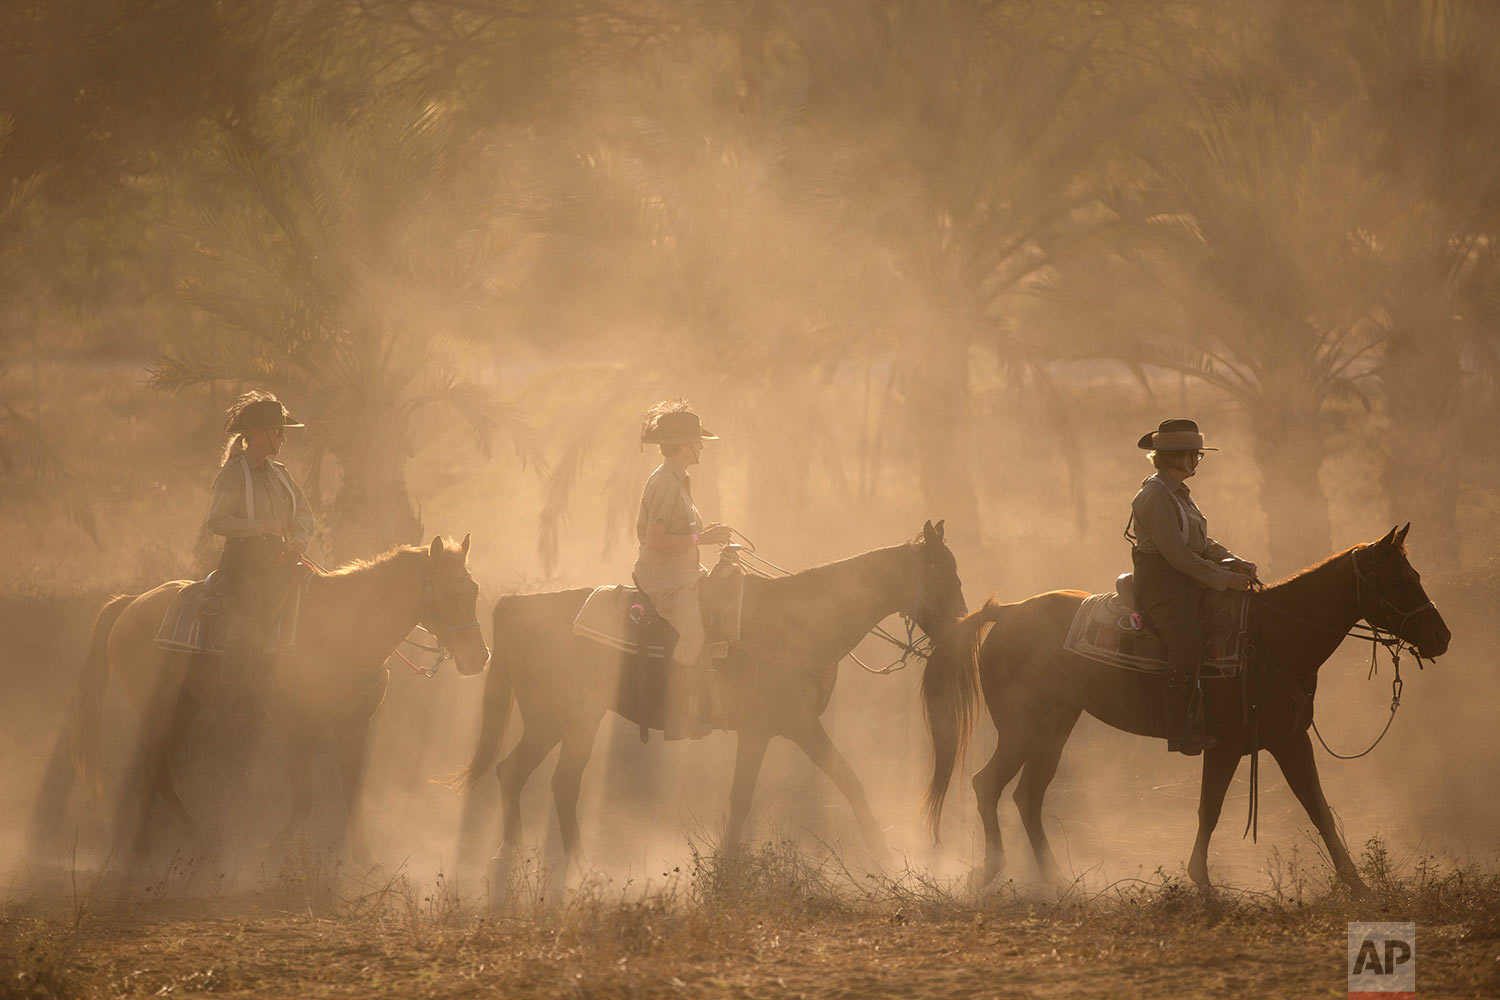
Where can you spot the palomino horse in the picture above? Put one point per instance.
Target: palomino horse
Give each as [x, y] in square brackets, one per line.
[797, 628]
[330, 684]
[1035, 691]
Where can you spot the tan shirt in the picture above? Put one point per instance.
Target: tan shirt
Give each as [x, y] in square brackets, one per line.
[1168, 522]
[236, 512]
[668, 499]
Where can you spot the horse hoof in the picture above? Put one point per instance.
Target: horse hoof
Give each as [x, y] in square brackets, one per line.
[980, 878]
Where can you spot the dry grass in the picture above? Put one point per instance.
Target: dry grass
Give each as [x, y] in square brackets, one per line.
[774, 921]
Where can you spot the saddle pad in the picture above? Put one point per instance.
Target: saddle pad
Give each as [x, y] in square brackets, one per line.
[1105, 630]
[197, 621]
[605, 619]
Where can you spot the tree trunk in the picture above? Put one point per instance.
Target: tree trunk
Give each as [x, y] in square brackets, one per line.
[373, 510]
[938, 418]
[1423, 379]
[1289, 450]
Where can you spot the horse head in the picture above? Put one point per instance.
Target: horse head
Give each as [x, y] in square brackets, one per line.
[1391, 596]
[450, 614]
[939, 595]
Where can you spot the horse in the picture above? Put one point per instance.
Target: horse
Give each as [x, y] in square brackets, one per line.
[796, 629]
[328, 685]
[1036, 690]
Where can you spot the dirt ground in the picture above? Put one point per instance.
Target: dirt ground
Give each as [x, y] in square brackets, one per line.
[771, 933]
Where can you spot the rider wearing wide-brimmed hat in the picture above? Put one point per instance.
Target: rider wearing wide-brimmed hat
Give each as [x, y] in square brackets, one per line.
[1175, 560]
[265, 521]
[670, 528]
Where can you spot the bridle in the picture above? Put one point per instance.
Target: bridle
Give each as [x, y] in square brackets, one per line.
[441, 634]
[1361, 582]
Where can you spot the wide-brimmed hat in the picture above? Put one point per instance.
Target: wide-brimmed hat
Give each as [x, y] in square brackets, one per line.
[677, 427]
[1174, 435]
[264, 414]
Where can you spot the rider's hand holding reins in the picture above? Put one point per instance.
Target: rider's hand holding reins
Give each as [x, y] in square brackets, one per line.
[714, 534]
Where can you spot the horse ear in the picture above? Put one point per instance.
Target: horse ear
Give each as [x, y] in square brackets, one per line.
[939, 527]
[1400, 538]
[1390, 538]
[931, 535]
[463, 550]
[436, 549]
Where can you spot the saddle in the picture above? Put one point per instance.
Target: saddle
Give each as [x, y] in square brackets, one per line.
[197, 620]
[1110, 629]
[623, 617]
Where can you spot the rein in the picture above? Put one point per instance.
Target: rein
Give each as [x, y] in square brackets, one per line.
[910, 646]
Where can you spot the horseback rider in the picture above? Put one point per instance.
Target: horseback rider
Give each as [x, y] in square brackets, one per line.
[1175, 560]
[670, 529]
[266, 523]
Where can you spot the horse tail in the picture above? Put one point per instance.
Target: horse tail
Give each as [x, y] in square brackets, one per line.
[950, 692]
[93, 681]
[497, 695]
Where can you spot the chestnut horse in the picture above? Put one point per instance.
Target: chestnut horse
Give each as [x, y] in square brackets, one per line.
[1036, 690]
[797, 628]
[329, 684]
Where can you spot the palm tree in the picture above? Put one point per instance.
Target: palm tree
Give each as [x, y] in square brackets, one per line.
[1255, 237]
[708, 267]
[1428, 81]
[345, 281]
[969, 142]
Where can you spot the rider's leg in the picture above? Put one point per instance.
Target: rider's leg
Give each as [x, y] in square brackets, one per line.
[681, 609]
[1170, 600]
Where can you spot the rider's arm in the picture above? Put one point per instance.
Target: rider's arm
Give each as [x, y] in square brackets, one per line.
[1158, 518]
[663, 542]
[662, 505]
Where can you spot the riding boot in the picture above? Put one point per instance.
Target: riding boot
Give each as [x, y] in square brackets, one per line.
[712, 703]
[1186, 727]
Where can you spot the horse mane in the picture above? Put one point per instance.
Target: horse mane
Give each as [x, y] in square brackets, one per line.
[359, 565]
[817, 575]
[1309, 570]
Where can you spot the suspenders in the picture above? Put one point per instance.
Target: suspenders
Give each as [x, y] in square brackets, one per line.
[1181, 515]
[250, 491]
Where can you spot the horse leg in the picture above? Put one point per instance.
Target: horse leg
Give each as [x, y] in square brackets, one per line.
[749, 753]
[1219, 764]
[1037, 773]
[1295, 755]
[577, 748]
[299, 787]
[158, 745]
[513, 772]
[1011, 752]
[352, 775]
[815, 742]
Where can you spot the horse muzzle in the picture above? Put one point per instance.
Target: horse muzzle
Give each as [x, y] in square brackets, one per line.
[470, 658]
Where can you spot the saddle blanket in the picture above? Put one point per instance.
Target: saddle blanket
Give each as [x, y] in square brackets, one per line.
[606, 619]
[198, 622]
[1105, 629]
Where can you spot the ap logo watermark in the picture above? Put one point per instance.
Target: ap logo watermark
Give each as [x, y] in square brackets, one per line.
[1382, 961]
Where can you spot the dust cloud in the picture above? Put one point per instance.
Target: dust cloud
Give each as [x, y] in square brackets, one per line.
[909, 261]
